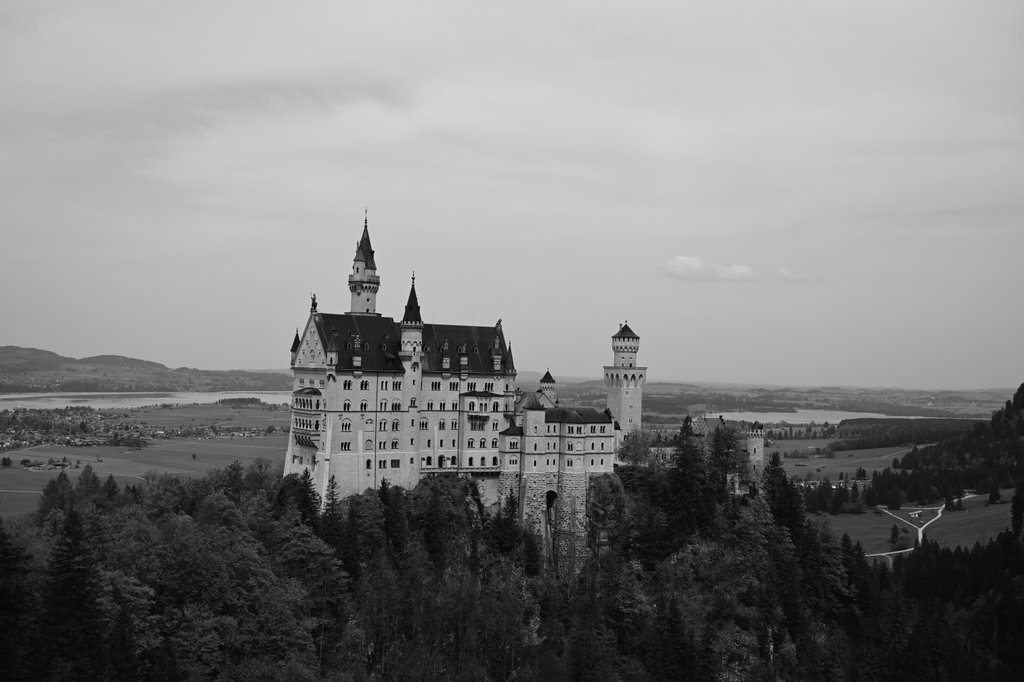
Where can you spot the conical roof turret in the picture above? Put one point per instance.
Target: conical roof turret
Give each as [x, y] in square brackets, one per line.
[412, 307]
[625, 333]
[547, 378]
[296, 341]
[364, 251]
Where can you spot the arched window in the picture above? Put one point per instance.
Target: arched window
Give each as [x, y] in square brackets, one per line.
[368, 445]
[346, 406]
[364, 385]
[494, 407]
[494, 461]
[455, 461]
[363, 406]
[494, 443]
[471, 442]
[423, 425]
[430, 462]
[383, 426]
[472, 405]
[443, 405]
[430, 404]
[440, 425]
[369, 464]
[383, 406]
[440, 462]
[317, 427]
[483, 442]
[346, 425]
[412, 402]
[494, 426]
[394, 444]
[347, 385]
[396, 407]
[470, 461]
[455, 425]
[395, 426]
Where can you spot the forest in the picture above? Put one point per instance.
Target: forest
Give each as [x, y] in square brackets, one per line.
[245, 575]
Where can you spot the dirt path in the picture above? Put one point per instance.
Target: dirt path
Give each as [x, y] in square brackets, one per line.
[920, 529]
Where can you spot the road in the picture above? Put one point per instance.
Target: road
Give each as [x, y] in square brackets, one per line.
[920, 529]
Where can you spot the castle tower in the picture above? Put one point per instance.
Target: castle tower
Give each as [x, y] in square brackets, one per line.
[755, 450]
[364, 282]
[547, 389]
[625, 379]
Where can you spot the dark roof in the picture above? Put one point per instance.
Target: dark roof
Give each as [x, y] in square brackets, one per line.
[530, 402]
[512, 431]
[576, 415]
[296, 342]
[381, 339]
[547, 378]
[364, 252]
[412, 308]
[307, 391]
[481, 394]
[625, 333]
[510, 366]
[477, 343]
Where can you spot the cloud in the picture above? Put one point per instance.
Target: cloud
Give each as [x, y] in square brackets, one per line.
[693, 268]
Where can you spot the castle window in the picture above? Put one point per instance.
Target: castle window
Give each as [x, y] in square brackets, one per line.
[593, 429]
[494, 442]
[602, 429]
[430, 405]
[440, 443]
[429, 459]
[471, 386]
[346, 447]
[395, 426]
[591, 462]
[321, 383]
[440, 425]
[423, 425]
[535, 447]
[602, 447]
[384, 385]
[412, 402]
[317, 427]
[489, 387]
[435, 385]
[346, 406]
[483, 442]
[455, 425]
[383, 426]
[440, 462]
[394, 444]
[396, 463]
[470, 461]
[494, 408]
[534, 462]
[472, 442]
[396, 385]
[369, 464]
[383, 406]
[494, 426]
[472, 405]
[302, 382]
[364, 385]
[396, 407]
[382, 464]
[568, 447]
[602, 462]
[428, 445]
[494, 461]
[368, 446]
[455, 461]
[513, 445]
[363, 406]
[453, 386]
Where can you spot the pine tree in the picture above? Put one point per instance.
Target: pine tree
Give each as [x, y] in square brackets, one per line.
[14, 606]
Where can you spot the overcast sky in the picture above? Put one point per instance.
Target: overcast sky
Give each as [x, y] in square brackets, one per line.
[785, 192]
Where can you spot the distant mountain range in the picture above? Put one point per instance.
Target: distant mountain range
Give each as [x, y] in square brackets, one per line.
[31, 370]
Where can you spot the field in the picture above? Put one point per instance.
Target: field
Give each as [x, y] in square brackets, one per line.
[979, 522]
[20, 487]
[221, 415]
[847, 463]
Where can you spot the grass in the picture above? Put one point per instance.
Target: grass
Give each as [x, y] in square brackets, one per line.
[20, 488]
[846, 463]
[979, 522]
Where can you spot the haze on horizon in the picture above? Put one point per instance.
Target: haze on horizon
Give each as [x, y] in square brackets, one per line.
[782, 193]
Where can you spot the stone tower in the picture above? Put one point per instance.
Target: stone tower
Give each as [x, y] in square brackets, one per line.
[755, 450]
[625, 379]
[364, 282]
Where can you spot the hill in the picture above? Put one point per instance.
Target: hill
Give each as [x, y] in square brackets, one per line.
[32, 370]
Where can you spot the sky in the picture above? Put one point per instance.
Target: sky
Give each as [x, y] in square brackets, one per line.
[791, 192]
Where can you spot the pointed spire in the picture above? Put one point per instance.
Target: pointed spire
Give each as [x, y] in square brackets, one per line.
[296, 341]
[364, 251]
[625, 332]
[412, 308]
[547, 378]
[510, 365]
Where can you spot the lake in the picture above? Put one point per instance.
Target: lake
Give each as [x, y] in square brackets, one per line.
[56, 401]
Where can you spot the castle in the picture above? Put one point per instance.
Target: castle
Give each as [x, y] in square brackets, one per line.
[375, 399]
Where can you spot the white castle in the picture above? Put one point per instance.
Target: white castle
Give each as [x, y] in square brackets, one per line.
[376, 399]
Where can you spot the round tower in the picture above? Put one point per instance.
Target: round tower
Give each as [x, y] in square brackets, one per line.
[364, 282]
[625, 379]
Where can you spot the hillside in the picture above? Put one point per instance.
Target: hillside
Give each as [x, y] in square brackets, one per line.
[32, 370]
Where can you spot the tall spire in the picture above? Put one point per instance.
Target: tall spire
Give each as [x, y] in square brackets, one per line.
[364, 252]
[412, 308]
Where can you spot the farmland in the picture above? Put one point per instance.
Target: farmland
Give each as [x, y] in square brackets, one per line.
[230, 433]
